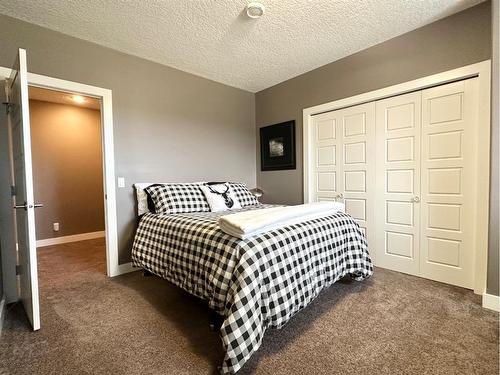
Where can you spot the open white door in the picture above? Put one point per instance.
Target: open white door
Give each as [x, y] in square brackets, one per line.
[19, 122]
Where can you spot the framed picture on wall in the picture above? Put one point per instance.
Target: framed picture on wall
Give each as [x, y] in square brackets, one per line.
[277, 146]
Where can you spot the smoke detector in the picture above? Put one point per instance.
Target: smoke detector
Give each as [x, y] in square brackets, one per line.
[255, 10]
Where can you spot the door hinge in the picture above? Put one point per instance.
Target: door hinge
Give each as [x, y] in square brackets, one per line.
[18, 269]
[8, 106]
[13, 191]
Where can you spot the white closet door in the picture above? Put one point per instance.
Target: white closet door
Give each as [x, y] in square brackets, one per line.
[342, 166]
[326, 149]
[449, 121]
[398, 182]
[357, 167]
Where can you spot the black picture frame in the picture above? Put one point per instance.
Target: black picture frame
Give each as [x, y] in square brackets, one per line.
[277, 146]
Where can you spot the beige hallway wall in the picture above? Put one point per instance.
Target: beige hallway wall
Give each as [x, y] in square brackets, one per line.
[67, 168]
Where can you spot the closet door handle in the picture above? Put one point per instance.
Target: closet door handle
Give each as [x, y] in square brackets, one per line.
[415, 199]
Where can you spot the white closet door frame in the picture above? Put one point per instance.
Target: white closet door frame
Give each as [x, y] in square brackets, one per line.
[482, 71]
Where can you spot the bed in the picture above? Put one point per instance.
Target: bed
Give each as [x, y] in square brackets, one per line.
[253, 283]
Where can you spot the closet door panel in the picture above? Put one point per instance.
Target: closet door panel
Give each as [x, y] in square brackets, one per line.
[326, 155]
[343, 165]
[398, 122]
[358, 178]
[449, 121]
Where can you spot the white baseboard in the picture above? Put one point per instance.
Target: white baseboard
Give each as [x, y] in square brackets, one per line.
[491, 302]
[2, 313]
[72, 238]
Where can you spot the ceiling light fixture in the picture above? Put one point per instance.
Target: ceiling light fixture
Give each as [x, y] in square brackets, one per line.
[78, 99]
[255, 10]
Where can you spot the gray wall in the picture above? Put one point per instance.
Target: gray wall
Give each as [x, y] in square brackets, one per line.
[493, 259]
[458, 40]
[173, 126]
[168, 125]
[66, 150]
[461, 39]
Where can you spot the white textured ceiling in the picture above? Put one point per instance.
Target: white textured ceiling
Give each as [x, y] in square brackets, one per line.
[215, 39]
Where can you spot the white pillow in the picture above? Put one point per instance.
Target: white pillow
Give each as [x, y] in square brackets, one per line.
[142, 197]
[217, 201]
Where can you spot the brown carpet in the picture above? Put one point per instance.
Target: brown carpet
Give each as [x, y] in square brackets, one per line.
[390, 324]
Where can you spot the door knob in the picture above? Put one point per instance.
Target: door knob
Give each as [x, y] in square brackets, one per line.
[25, 206]
[415, 199]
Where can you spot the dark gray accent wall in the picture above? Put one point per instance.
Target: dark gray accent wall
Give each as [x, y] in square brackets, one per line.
[168, 125]
[461, 39]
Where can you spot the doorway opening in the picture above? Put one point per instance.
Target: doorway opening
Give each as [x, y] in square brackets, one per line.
[67, 163]
[19, 253]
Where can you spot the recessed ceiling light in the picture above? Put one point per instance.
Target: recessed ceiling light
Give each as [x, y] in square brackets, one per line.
[78, 99]
[255, 10]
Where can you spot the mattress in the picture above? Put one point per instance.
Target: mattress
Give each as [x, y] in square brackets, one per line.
[255, 283]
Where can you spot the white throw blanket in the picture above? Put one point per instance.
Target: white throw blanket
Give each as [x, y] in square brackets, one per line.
[250, 223]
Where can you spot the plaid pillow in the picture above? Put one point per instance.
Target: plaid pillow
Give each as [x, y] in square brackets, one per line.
[177, 198]
[244, 195]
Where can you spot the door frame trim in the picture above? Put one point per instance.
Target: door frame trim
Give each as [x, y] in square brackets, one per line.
[113, 267]
[481, 70]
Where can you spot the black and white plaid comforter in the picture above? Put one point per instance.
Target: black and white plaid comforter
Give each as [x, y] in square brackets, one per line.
[255, 283]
